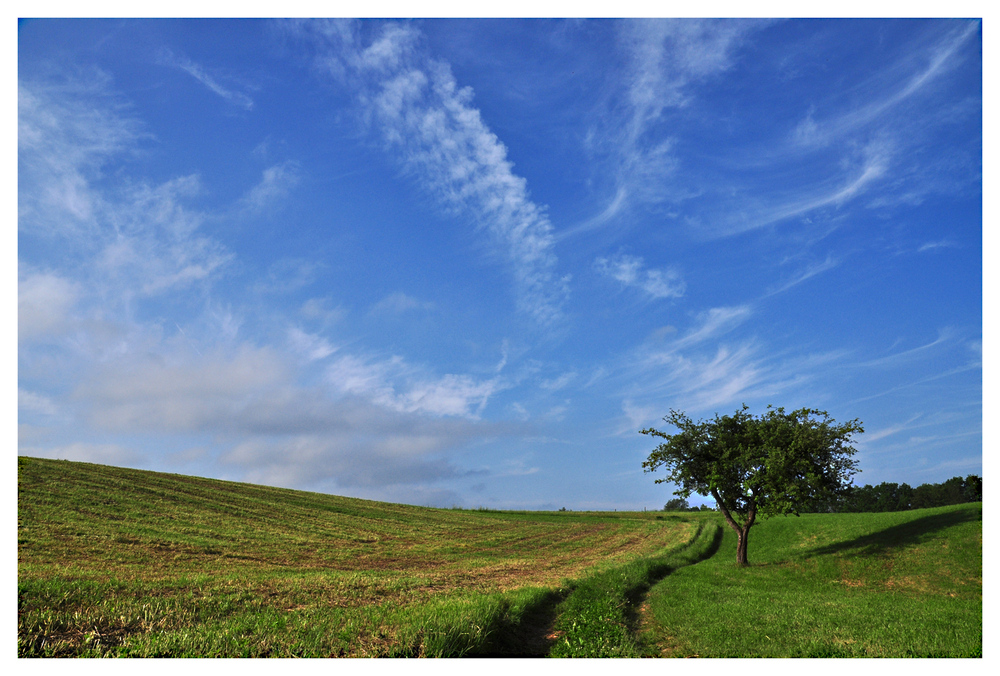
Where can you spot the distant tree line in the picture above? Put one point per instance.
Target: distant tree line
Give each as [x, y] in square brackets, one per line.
[893, 497]
[681, 505]
[885, 497]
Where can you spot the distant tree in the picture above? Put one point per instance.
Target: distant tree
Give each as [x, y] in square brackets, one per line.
[888, 497]
[952, 491]
[676, 505]
[928, 495]
[972, 490]
[773, 464]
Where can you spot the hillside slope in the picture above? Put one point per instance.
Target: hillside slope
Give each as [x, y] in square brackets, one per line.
[128, 562]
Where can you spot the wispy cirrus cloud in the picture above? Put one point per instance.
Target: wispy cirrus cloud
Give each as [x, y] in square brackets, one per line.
[898, 358]
[168, 58]
[711, 324]
[844, 150]
[398, 303]
[810, 272]
[630, 271]
[854, 175]
[275, 184]
[429, 121]
[130, 239]
[706, 369]
[665, 58]
[924, 66]
[311, 346]
[939, 244]
[863, 146]
[68, 129]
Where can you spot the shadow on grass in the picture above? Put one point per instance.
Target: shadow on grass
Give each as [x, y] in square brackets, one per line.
[635, 595]
[534, 635]
[911, 532]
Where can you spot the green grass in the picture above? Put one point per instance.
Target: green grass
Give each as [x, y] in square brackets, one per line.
[904, 584]
[122, 562]
[599, 618]
[118, 562]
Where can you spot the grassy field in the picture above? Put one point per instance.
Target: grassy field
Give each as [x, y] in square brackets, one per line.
[118, 562]
[122, 562]
[902, 584]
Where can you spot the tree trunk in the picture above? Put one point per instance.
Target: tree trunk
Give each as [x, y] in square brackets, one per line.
[741, 546]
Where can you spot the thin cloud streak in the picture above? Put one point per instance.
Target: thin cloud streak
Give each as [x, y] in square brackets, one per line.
[808, 273]
[429, 120]
[168, 58]
[667, 56]
[810, 133]
[875, 166]
[944, 335]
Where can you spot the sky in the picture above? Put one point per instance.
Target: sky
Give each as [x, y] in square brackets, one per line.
[464, 262]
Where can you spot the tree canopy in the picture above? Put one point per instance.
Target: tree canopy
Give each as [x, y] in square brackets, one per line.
[776, 463]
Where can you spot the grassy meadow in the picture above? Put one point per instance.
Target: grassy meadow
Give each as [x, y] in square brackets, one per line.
[890, 584]
[119, 562]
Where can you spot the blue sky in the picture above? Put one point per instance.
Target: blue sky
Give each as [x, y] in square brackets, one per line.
[463, 262]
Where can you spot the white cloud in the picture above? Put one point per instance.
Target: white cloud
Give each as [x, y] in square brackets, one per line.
[35, 403]
[348, 460]
[559, 383]
[443, 141]
[179, 394]
[666, 56]
[319, 309]
[275, 184]
[853, 177]
[629, 271]
[712, 323]
[394, 384]
[930, 246]
[383, 423]
[669, 54]
[925, 65]
[286, 434]
[900, 358]
[398, 303]
[44, 301]
[872, 436]
[197, 72]
[311, 346]
[135, 239]
[152, 243]
[67, 132]
[697, 373]
[808, 273]
[105, 454]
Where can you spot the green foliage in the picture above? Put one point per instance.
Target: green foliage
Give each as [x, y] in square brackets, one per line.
[776, 463]
[676, 505]
[892, 497]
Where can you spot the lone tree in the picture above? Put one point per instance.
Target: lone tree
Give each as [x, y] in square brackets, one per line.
[777, 463]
